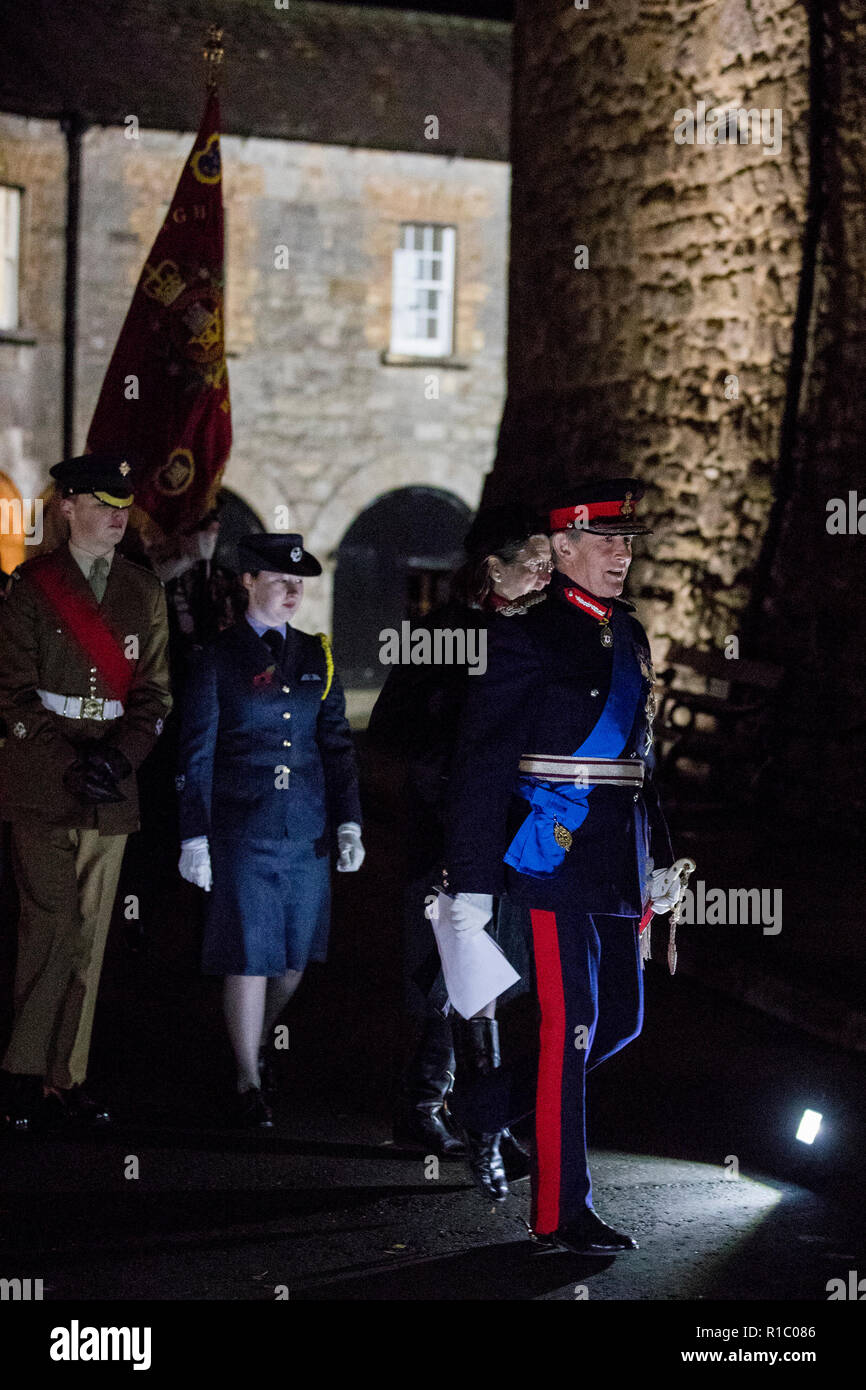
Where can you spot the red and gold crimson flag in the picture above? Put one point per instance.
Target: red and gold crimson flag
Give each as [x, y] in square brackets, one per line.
[165, 398]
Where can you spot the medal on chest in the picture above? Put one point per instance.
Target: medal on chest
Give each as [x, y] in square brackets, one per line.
[595, 609]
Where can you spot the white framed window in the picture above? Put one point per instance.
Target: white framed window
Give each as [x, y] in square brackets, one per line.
[10, 254]
[422, 305]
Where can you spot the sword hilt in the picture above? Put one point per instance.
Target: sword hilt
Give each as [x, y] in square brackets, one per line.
[685, 868]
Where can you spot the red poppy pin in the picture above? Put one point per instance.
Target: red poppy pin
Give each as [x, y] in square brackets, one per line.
[265, 677]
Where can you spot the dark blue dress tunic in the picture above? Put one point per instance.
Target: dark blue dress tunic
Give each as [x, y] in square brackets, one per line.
[267, 771]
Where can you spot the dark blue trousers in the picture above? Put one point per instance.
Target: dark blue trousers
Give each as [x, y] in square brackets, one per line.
[590, 993]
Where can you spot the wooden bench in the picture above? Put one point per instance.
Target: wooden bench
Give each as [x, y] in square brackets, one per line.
[708, 728]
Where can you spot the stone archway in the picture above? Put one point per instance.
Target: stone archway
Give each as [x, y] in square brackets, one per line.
[237, 519]
[392, 563]
[463, 480]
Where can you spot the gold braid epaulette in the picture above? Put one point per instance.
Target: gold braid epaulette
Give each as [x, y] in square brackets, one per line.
[329, 662]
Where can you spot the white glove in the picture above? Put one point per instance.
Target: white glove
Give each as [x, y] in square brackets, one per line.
[194, 862]
[471, 912]
[352, 852]
[665, 888]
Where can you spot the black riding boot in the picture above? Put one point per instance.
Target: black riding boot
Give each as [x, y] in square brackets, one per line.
[476, 1042]
[516, 1159]
[422, 1119]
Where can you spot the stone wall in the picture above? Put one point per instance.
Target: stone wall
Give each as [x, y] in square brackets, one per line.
[694, 256]
[321, 424]
[33, 157]
[809, 609]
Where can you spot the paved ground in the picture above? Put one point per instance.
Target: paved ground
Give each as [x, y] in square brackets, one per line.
[329, 1209]
[691, 1127]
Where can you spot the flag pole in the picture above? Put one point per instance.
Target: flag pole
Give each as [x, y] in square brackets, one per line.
[213, 54]
[165, 394]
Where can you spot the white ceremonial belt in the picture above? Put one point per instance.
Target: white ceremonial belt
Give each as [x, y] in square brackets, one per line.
[80, 706]
[583, 772]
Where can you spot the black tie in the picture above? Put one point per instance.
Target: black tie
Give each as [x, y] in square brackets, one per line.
[276, 642]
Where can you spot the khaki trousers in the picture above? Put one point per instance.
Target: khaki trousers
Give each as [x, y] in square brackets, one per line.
[67, 880]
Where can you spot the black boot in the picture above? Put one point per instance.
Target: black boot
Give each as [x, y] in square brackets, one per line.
[476, 1042]
[422, 1120]
[516, 1159]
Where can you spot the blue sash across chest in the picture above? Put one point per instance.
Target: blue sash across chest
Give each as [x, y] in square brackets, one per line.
[534, 850]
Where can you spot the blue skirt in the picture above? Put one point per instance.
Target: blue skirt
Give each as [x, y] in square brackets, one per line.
[269, 908]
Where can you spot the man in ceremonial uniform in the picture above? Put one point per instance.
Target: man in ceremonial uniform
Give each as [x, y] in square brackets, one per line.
[267, 780]
[554, 802]
[84, 689]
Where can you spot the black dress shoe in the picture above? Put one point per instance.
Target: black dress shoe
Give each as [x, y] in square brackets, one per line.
[253, 1111]
[588, 1235]
[20, 1103]
[76, 1108]
[515, 1158]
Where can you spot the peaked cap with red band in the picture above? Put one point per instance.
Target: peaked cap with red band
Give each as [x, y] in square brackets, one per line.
[605, 506]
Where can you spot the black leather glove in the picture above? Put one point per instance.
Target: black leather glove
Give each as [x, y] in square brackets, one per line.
[104, 757]
[94, 775]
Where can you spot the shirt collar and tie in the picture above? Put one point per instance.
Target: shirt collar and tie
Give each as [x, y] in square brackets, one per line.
[95, 568]
[273, 637]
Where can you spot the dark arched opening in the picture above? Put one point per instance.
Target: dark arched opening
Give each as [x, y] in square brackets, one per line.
[236, 521]
[394, 562]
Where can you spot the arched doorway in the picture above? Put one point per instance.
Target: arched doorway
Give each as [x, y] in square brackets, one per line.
[12, 545]
[393, 563]
[236, 521]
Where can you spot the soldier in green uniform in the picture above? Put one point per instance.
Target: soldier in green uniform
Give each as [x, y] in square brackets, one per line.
[84, 689]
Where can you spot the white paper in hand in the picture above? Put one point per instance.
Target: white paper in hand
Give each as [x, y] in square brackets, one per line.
[474, 967]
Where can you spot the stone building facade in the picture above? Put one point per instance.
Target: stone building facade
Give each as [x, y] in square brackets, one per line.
[326, 420]
[322, 425]
[33, 159]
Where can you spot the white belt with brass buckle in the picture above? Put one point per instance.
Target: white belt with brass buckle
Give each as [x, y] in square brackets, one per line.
[80, 706]
[583, 772]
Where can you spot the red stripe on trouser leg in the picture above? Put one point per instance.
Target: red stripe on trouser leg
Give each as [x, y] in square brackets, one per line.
[548, 1103]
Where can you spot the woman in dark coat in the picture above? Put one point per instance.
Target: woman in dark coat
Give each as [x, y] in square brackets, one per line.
[267, 779]
[416, 717]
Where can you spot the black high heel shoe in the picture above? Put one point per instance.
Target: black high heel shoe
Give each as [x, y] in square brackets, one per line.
[252, 1110]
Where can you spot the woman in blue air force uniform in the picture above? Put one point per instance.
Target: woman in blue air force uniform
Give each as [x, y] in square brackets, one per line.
[267, 769]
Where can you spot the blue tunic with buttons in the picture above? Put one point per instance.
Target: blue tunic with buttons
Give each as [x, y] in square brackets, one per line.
[267, 770]
[547, 681]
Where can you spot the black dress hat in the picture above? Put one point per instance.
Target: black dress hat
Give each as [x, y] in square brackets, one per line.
[106, 476]
[282, 553]
[605, 506]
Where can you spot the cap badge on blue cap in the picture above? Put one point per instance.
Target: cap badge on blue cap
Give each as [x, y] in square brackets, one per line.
[125, 468]
[296, 552]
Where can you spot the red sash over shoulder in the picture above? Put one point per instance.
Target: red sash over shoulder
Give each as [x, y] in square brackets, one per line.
[81, 616]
